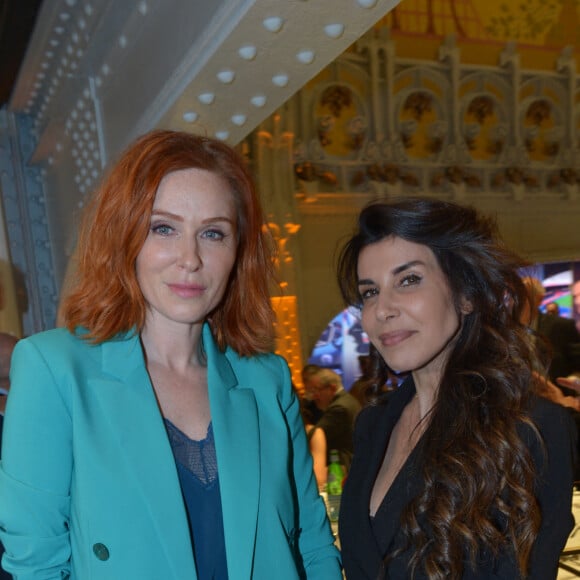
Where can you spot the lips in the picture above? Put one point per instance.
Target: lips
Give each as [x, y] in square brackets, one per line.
[186, 290]
[388, 339]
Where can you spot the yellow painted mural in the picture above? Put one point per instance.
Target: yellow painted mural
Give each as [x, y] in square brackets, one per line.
[541, 28]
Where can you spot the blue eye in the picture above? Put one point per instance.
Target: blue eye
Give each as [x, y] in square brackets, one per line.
[162, 229]
[213, 234]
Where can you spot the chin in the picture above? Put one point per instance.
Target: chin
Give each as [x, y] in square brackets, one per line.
[187, 317]
[399, 366]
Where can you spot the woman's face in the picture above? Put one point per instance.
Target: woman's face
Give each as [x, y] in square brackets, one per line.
[185, 263]
[408, 308]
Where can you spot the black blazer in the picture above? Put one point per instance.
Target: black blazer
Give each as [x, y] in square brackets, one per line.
[564, 340]
[361, 553]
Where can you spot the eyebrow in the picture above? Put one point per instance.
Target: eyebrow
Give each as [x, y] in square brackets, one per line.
[168, 214]
[397, 270]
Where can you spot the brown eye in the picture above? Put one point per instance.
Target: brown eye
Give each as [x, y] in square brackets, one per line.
[368, 293]
[410, 280]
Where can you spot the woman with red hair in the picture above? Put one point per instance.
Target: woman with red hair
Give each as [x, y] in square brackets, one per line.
[156, 436]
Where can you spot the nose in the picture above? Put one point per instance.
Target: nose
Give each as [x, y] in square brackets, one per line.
[386, 306]
[188, 254]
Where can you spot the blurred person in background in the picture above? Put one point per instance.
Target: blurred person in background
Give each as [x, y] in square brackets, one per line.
[339, 410]
[576, 303]
[318, 448]
[562, 339]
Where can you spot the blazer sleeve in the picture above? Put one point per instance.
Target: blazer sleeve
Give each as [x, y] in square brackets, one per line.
[35, 472]
[319, 554]
[554, 459]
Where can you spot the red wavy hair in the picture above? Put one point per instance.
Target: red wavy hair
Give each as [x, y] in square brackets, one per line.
[105, 297]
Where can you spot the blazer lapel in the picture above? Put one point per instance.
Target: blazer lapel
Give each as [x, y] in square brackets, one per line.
[236, 431]
[383, 429]
[135, 418]
[402, 487]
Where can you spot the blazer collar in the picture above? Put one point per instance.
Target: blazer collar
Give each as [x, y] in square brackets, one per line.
[390, 411]
[408, 482]
[131, 407]
[122, 355]
[234, 413]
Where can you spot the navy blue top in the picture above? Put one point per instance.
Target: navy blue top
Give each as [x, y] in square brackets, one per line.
[198, 475]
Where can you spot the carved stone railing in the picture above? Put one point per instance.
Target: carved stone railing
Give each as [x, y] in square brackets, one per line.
[384, 125]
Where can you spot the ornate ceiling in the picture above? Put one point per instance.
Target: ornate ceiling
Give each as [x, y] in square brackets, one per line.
[218, 67]
[221, 67]
[534, 22]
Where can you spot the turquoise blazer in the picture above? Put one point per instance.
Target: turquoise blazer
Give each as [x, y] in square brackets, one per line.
[88, 484]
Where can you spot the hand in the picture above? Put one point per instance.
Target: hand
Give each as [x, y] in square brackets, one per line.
[550, 391]
[573, 384]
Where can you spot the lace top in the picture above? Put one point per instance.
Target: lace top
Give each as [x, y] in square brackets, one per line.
[198, 475]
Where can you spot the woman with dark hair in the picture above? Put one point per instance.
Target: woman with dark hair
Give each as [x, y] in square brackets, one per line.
[463, 471]
[156, 436]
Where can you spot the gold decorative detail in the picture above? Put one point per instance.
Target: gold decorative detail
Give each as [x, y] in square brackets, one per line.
[538, 112]
[483, 133]
[567, 176]
[542, 135]
[340, 125]
[308, 172]
[514, 176]
[336, 98]
[422, 131]
[455, 175]
[281, 239]
[481, 108]
[418, 104]
[288, 336]
[386, 173]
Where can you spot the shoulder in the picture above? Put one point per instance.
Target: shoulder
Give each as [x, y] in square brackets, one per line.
[266, 363]
[546, 413]
[65, 349]
[567, 324]
[60, 335]
[555, 323]
[267, 376]
[58, 341]
[260, 372]
[387, 408]
[555, 426]
[346, 400]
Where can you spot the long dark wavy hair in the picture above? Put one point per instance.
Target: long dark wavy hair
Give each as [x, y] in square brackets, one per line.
[478, 495]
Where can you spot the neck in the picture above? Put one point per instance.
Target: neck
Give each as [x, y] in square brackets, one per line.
[426, 393]
[175, 347]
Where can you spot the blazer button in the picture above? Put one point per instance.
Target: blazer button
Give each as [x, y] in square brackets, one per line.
[101, 551]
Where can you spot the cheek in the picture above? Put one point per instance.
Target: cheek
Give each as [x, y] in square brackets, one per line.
[143, 264]
[154, 256]
[448, 320]
[366, 319]
[225, 265]
[139, 267]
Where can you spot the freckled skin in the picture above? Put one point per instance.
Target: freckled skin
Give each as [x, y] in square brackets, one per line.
[185, 263]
